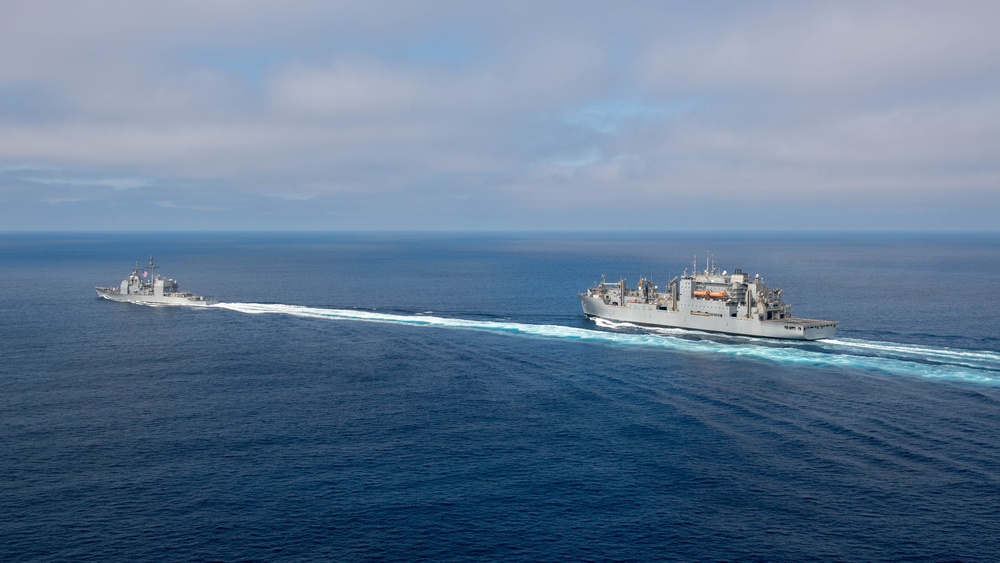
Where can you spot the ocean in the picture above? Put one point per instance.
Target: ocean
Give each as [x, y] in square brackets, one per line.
[414, 396]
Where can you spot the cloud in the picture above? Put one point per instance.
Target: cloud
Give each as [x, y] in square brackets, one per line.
[113, 183]
[852, 48]
[189, 206]
[446, 115]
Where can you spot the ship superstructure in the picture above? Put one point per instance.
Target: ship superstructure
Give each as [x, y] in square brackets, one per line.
[708, 300]
[144, 285]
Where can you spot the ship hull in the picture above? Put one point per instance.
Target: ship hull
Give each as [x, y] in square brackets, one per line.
[187, 301]
[649, 314]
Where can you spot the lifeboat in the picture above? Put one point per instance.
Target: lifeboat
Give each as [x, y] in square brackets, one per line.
[717, 294]
[701, 294]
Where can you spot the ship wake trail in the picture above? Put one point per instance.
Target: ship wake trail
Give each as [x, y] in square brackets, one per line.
[886, 357]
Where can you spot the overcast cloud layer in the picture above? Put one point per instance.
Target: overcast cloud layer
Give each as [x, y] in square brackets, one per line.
[467, 115]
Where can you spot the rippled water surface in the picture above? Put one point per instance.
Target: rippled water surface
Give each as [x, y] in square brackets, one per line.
[407, 397]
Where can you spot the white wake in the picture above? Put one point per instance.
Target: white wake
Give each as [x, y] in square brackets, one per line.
[886, 357]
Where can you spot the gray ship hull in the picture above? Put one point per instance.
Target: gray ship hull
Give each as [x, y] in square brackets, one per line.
[648, 314]
[185, 300]
[148, 288]
[710, 301]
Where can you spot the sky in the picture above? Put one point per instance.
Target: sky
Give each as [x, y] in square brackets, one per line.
[499, 116]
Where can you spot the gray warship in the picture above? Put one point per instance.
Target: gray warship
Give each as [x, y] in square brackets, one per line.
[147, 287]
[709, 300]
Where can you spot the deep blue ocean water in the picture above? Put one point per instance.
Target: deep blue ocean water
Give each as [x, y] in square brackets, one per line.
[442, 397]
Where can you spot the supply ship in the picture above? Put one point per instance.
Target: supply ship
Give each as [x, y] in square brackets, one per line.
[709, 300]
[147, 287]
